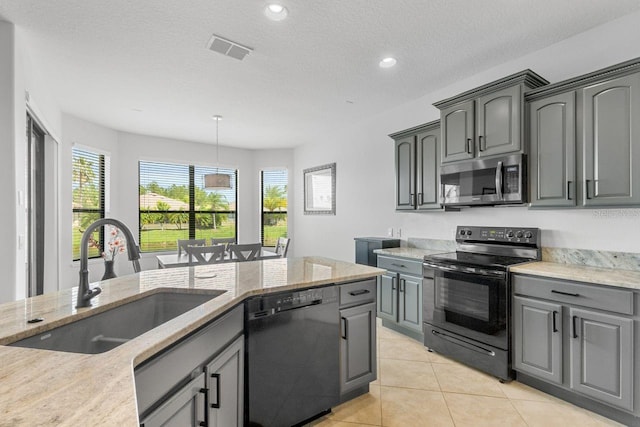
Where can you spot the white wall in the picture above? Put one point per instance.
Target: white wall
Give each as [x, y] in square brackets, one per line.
[19, 74]
[365, 174]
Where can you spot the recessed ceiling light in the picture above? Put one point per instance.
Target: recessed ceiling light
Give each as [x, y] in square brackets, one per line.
[276, 12]
[388, 62]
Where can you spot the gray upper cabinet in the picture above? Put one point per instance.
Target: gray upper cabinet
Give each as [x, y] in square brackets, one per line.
[553, 151]
[499, 122]
[405, 173]
[612, 142]
[585, 140]
[488, 120]
[417, 163]
[458, 132]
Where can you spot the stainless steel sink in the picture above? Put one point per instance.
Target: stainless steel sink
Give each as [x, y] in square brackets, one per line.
[107, 330]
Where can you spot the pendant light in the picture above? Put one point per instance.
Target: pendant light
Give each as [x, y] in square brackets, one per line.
[217, 180]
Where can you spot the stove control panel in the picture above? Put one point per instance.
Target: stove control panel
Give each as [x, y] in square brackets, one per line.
[498, 234]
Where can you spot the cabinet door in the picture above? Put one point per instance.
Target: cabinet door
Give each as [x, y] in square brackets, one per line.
[410, 302]
[537, 336]
[458, 132]
[225, 386]
[499, 122]
[405, 173]
[553, 156]
[357, 347]
[387, 296]
[184, 409]
[428, 169]
[612, 142]
[602, 357]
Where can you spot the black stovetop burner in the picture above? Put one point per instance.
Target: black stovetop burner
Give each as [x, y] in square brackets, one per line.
[476, 259]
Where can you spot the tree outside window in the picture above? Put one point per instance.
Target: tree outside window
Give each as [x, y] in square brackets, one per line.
[274, 206]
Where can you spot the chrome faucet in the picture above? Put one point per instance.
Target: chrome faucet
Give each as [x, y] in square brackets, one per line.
[84, 293]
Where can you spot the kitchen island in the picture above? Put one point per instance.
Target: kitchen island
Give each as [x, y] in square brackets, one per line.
[40, 387]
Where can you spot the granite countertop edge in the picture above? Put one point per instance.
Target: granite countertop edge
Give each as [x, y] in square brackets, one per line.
[42, 387]
[602, 276]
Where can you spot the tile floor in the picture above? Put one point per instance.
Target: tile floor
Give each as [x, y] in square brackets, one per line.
[418, 388]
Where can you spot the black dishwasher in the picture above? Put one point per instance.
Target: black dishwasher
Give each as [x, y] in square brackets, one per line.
[293, 366]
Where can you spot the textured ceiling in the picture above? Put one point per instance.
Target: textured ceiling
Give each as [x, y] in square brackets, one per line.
[105, 59]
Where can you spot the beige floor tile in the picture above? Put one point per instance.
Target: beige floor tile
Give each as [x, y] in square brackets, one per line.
[389, 334]
[548, 414]
[403, 350]
[517, 391]
[363, 409]
[329, 422]
[458, 378]
[405, 407]
[603, 421]
[407, 373]
[479, 411]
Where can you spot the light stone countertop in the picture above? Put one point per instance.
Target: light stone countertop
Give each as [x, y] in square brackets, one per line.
[411, 253]
[581, 273]
[44, 388]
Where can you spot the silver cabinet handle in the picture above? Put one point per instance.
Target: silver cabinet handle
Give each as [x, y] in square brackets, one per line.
[586, 187]
[393, 284]
[402, 284]
[555, 326]
[480, 143]
[468, 146]
[569, 190]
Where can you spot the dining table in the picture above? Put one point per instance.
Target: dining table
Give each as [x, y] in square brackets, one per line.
[175, 260]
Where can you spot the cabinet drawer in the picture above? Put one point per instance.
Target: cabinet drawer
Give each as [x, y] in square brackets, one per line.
[401, 265]
[599, 297]
[358, 293]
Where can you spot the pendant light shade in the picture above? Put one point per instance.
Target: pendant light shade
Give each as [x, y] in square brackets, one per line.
[217, 180]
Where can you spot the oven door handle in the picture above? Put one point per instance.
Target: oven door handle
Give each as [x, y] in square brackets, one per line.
[478, 271]
[470, 346]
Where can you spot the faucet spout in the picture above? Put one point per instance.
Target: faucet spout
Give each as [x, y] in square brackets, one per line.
[85, 294]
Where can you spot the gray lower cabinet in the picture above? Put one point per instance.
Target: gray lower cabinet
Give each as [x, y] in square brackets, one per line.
[400, 295]
[173, 387]
[184, 409]
[410, 302]
[562, 335]
[537, 329]
[357, 347]
[602, 356]
[417, 164]
[553, 151]
[225, 380]
[358, 362]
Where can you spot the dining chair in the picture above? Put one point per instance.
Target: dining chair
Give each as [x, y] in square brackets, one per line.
[226, 241]
[282, 246]
[202, 255]
[182, 244]
[246, 252]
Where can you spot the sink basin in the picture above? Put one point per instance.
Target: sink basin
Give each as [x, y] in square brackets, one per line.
[107, 330]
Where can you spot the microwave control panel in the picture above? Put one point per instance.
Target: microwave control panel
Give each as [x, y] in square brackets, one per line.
[511, 179]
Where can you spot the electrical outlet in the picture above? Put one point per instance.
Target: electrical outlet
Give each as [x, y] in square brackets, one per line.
[390, 232]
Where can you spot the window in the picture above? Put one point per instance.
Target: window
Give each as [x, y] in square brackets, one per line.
[174, 205]
[274, 206]
[89, 178]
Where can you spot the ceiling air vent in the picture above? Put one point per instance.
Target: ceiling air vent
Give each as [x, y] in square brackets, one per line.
[228, 48]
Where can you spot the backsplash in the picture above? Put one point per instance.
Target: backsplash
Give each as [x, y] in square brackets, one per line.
[433, 244]
[620, 260]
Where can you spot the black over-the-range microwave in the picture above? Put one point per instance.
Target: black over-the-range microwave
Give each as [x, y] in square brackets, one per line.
[485, 182]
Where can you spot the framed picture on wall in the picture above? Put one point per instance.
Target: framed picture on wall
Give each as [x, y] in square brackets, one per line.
[320, 190]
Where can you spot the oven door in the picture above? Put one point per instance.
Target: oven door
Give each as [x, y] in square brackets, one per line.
[471, 302]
